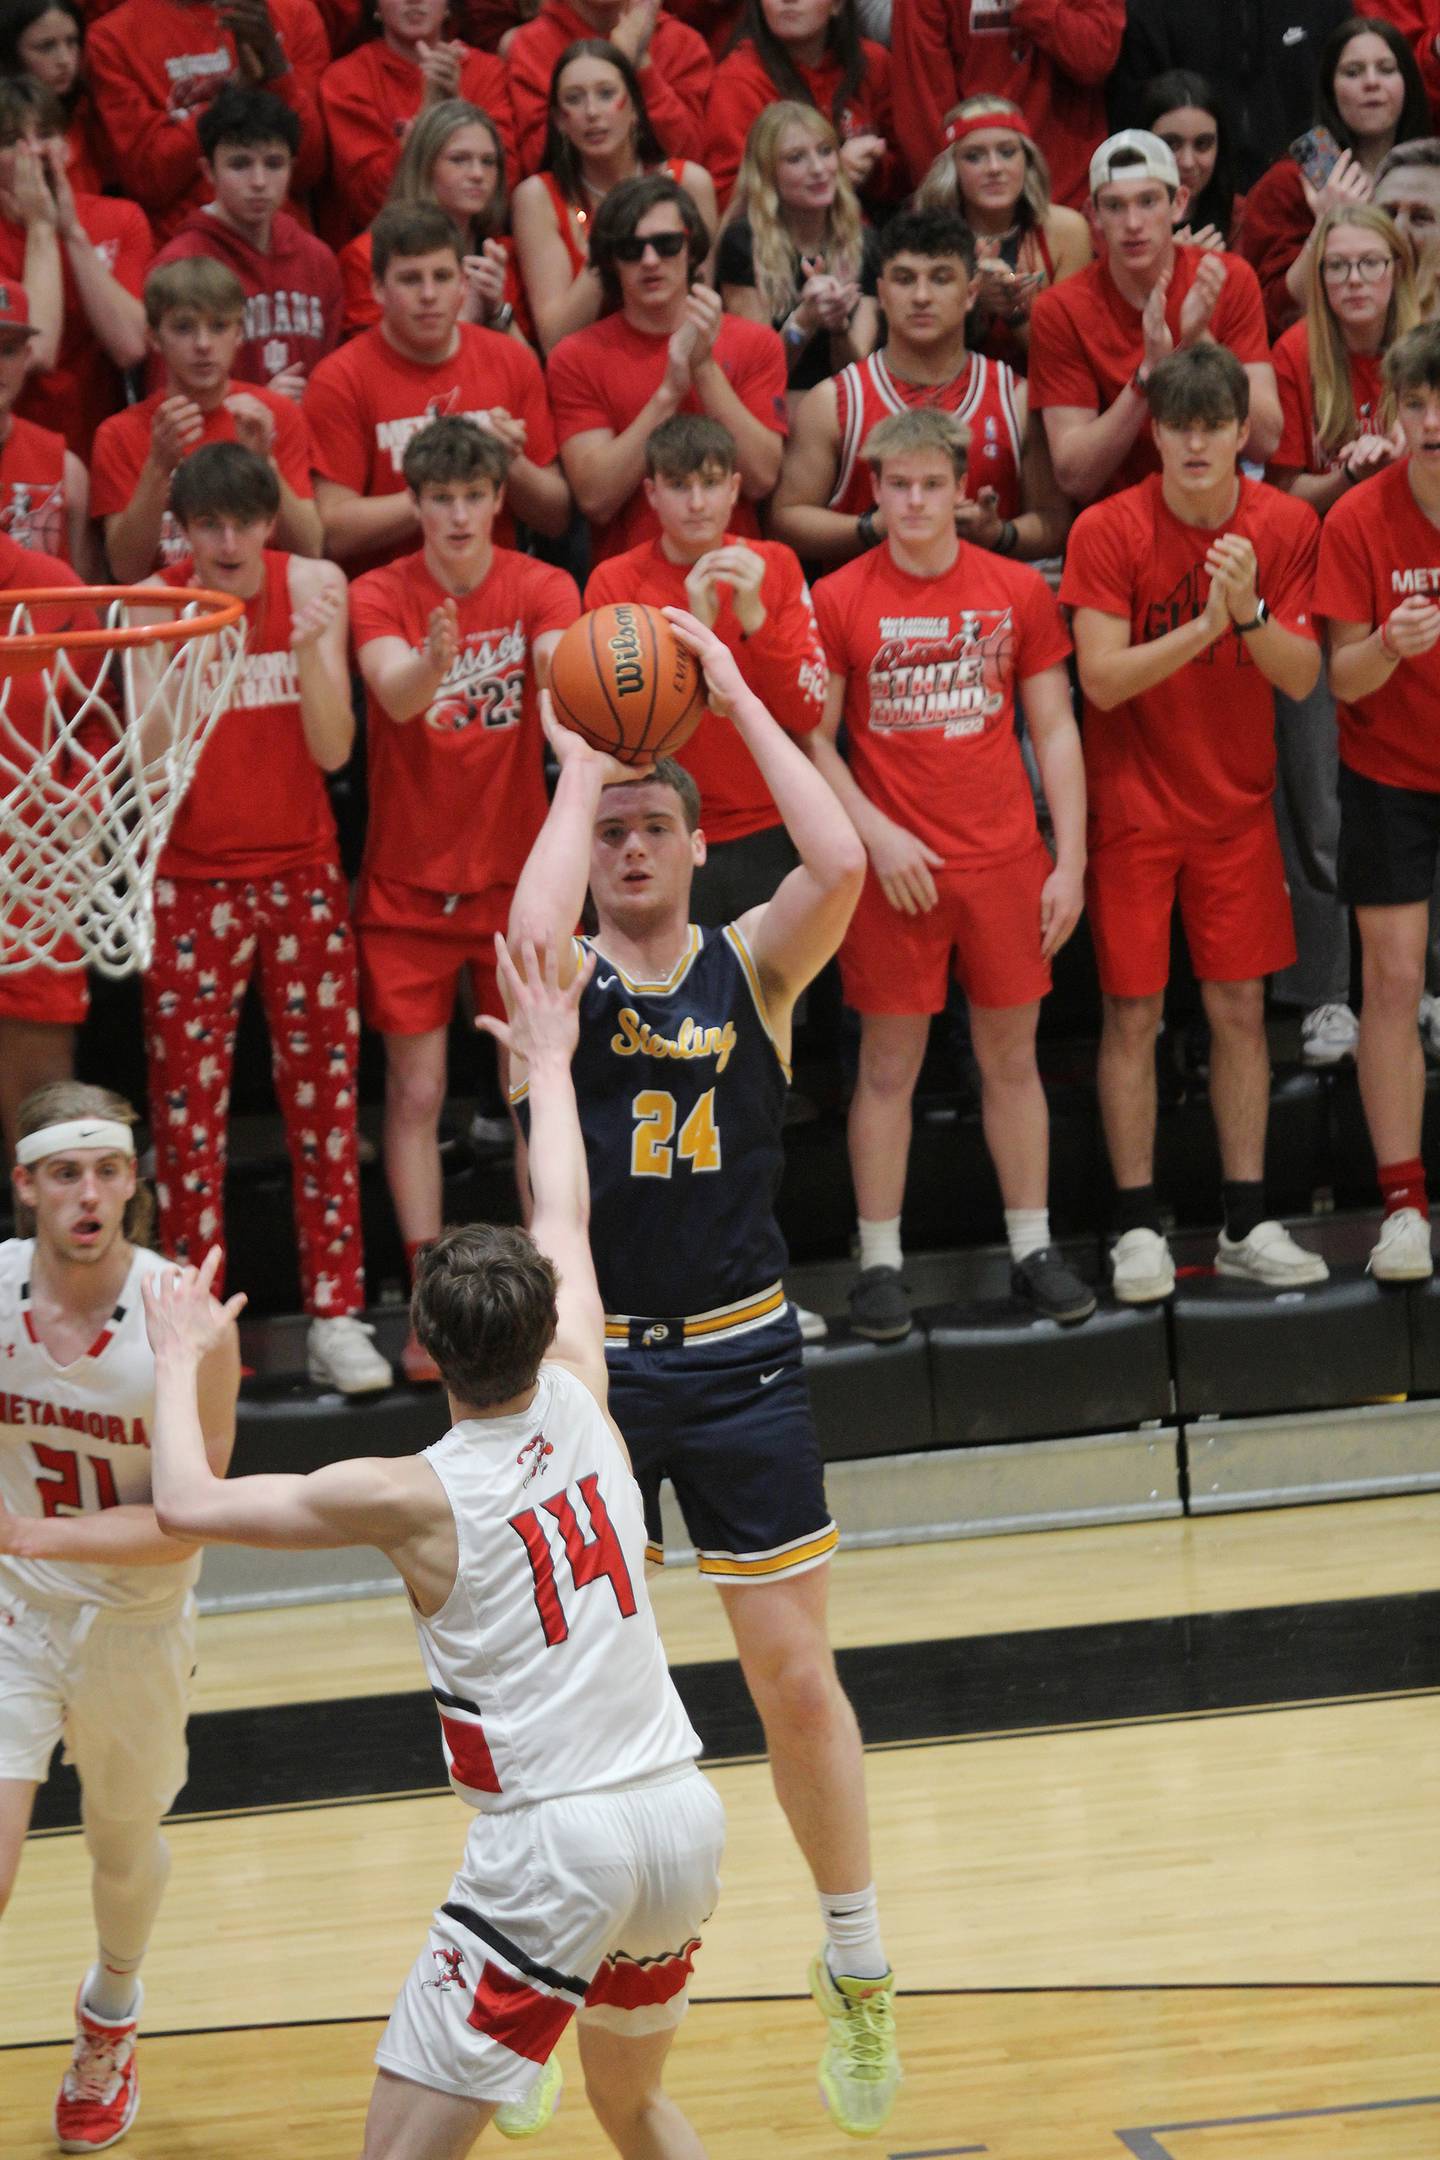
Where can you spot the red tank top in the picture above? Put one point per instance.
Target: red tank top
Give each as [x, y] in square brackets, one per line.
[983, 397]
[32, 488]
[578, 254]
[257, 803]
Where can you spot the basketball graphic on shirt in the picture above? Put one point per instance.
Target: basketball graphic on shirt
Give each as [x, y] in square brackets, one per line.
[620, 678]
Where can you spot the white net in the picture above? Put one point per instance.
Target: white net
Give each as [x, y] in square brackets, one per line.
[98, 744]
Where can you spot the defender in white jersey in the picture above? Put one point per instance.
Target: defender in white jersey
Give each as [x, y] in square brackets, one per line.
[520, 1537]
[97, 1615]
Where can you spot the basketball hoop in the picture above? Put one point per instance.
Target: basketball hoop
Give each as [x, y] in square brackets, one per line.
[100, 734]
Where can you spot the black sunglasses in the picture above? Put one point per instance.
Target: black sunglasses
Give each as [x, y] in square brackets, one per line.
[667, 246]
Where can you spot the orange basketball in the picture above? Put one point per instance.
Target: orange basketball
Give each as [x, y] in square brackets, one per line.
[621, 678]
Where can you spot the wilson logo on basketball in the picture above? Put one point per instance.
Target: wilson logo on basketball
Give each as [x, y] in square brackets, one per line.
[624, 643]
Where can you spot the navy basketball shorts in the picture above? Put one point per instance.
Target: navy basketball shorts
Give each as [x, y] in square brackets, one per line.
[728, 1421]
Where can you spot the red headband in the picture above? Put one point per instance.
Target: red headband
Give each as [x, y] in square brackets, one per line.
[1013, 124]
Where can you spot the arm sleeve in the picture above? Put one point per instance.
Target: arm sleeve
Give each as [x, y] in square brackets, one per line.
[531, 404]
[115, 461]
[831, 616]
[1060, 374]
[784, 663]
[293, 453]
[1293, 448]
[677, 86]
[1289, 582]
[924, 38]
[576, 404]
[1239, 319]
[157, 154]
[1272, 233]
[134, 251]
[307, 48]
[1044, 641]
[740, 92]
[760, 377]
[338, 436]
[1344, 588]
[530, 63]
[1082, 37]
[1098, 571]
[364, 148]
[556, 604]
[485, 81]
[606, 582]
[372, 611]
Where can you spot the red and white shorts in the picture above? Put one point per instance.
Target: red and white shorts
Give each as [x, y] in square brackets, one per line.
[590, 1904]
[984, 930]
[413, 944]
[1233, 901]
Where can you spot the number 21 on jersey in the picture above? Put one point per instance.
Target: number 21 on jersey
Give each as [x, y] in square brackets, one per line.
[653, 1144]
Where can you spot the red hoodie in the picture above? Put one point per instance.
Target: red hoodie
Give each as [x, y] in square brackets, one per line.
[675, 79]
[293, 298]
[1049, 57]
[369, 100]
[153, 65]
[743, 89]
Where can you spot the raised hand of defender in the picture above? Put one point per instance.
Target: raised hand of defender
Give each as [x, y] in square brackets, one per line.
[313, 618]
[1198, 305]
[176, 425]
[723, 680]
[254, 422]
[1412, 628]
[183, 1317]
[442, 637]
[542, 1019]
[572, 749]
[904, 865]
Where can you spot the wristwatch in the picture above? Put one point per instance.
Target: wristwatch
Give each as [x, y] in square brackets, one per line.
[502, 318]
[865, 529]
[1257, 622]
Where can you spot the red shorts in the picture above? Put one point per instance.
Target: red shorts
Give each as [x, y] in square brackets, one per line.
[1234, 903]
[984, 930]
[412, 946]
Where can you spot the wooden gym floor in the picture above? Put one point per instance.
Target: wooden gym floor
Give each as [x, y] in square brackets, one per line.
[1154, 1814]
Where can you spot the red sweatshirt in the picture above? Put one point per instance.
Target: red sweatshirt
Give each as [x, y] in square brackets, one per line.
[293, 300]
[153, 64]
[676, 81]
[743, 89]
[1049, 57]
[1275, 227]
[369, 100]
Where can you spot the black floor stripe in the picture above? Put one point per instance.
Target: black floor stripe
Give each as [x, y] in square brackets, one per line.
[1190, 1665]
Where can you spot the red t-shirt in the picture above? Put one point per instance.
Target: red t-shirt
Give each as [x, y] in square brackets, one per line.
[1086, 341]
[603, 377]
[32, 489]
[783, 662]
[1298, 449]
[457, 794]
[1377, 548]
[931, 667]
[257, 803]
[370, 100]
[123, 444]
[1197, 753]
[365, 401]
[84, 387]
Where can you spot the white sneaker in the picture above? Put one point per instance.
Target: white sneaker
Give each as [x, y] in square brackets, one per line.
[526, 2118]
[1327, 1034]
[1270, 1255]
[814, 1327]
[1402, 1252]
[340, 1354]
[1142, 1268]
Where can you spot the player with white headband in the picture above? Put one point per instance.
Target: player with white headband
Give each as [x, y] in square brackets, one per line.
[97, 1611]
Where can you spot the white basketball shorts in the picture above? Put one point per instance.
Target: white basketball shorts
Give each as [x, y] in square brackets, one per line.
[116, 1690]
[593, 1903]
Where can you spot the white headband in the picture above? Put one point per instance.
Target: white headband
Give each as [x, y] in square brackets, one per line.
[83, 1132]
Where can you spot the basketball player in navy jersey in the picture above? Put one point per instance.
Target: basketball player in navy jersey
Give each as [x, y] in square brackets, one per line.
[681, 1076]
[592, 1862]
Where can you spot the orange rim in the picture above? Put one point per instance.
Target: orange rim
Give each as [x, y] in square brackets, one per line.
[224, 610]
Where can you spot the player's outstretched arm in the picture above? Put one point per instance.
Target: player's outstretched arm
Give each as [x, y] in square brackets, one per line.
[796, 931]
[551, 892]
[391, 1504]
[542, 1027]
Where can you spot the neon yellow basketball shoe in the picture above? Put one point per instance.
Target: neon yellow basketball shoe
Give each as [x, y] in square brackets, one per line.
[524, 2118]
[860, 2068]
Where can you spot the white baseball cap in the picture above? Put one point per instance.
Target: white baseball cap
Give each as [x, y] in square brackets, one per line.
[1142, 156]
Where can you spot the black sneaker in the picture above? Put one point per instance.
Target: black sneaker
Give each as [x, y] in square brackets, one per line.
[1043, 1280]
[879, 1308]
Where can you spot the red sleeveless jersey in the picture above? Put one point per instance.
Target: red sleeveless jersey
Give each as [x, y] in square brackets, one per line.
[257, 804]
[983, 396]
[32, 488]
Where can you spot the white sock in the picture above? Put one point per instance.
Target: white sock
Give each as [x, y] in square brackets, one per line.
[880, 1243]
[852, 1934]
[111, 1993]
[1028, 1229]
